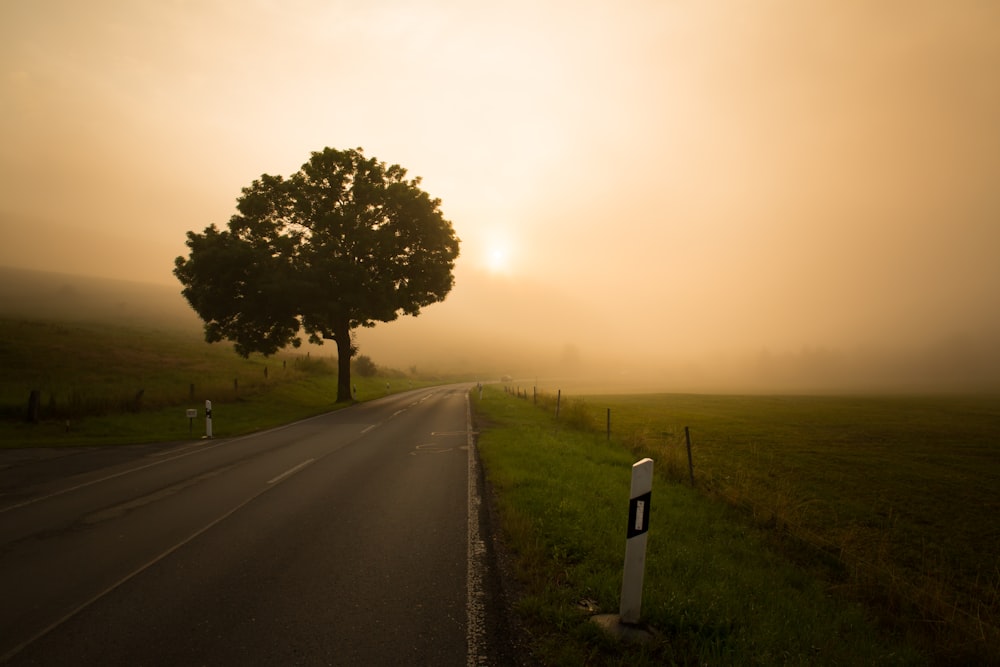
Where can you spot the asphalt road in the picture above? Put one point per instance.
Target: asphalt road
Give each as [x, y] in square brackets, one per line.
[351, 538]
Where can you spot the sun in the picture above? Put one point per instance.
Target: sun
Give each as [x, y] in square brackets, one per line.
[498, 256]
[498, 260]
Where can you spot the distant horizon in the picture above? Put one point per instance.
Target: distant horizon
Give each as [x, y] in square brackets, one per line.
[428, 342]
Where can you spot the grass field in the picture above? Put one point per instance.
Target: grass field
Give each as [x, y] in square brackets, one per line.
[891, 499]
[111, 383]
[715, 589]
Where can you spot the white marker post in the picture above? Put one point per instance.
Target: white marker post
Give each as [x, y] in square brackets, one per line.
[635, 545]
[208, 420]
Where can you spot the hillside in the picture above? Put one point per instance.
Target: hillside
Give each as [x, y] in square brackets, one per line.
[60, 297]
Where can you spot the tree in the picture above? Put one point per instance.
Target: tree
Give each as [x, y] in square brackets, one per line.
[364, 366]
[344, 242]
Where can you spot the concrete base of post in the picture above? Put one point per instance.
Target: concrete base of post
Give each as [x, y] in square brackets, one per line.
[626, 632]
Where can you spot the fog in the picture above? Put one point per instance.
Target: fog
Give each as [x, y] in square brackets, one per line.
[687, 196]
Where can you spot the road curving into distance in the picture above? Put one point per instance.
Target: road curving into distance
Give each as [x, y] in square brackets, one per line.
[355, 537]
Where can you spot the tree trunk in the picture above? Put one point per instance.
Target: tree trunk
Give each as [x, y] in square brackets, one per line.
[342, 335]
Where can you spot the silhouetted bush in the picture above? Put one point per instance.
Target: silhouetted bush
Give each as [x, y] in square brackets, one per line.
[364, 366]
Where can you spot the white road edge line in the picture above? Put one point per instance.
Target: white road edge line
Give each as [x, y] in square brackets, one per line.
[184, 452]
[290, 472]
[475, 558]
[129, 471]
[474, 632]
[131, 575]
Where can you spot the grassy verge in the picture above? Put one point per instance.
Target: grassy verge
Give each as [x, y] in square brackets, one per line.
[900, 490]
[111, 383]
[714, 589]
[264, 408]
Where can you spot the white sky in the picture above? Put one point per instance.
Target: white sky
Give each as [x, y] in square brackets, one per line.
[669, 175]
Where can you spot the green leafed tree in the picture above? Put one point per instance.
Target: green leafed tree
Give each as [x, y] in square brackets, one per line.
[364, 366]
[345, 242]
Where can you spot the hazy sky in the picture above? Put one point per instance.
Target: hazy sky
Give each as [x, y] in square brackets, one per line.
[655, 175]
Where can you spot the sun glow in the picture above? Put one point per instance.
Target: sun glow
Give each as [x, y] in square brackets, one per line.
[497, 254]
[498, 260]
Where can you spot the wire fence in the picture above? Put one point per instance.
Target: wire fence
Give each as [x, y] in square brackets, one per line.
[962, 621]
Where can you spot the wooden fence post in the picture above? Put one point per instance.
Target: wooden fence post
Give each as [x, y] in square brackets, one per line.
[687, 438]
[34, 403]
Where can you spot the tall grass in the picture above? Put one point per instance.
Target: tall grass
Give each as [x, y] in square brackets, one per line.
[715, 591]
[898, 493]
[110, 383]
[85, 368]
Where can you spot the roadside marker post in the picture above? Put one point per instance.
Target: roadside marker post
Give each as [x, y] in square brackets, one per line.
[208, 419]
[635, 544]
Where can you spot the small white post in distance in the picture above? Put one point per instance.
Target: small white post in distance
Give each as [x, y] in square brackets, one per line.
[208, 419]
[635, 544]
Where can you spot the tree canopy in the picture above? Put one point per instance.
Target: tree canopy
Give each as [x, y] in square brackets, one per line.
[344, 242]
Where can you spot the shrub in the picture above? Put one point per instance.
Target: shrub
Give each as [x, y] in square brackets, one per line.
[364, 366]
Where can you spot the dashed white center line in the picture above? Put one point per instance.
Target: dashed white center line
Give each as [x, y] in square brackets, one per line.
[290, 472]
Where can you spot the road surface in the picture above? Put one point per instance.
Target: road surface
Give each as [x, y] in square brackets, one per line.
[351, 538]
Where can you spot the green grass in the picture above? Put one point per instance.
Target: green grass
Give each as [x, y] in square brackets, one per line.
[901, 489]
[115, 383]
[714, 589]
[891, 500]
